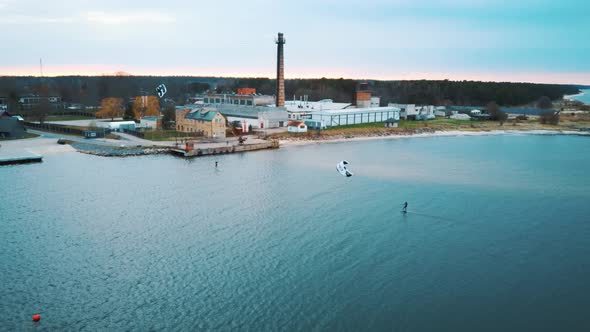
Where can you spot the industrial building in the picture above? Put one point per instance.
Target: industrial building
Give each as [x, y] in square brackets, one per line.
[29, 102]
[344, 117]
[415, 112]
[302, 108]
[258, 117]
[239, 99]
[364, 98]
[252, 110]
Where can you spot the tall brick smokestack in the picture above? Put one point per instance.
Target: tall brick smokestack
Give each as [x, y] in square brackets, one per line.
[280, 72]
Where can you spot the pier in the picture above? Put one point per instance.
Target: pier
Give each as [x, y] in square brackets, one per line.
[207, 151]
[19, 157]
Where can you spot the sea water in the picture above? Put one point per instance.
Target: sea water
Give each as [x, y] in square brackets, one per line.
[584, 97]
[496, 238]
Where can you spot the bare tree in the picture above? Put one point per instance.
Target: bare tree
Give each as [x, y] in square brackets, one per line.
[544, 103]
[496, 113]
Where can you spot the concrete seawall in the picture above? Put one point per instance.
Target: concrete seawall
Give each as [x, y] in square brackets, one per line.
[198, 152]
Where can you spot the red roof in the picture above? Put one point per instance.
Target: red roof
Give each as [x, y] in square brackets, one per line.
[295, 123]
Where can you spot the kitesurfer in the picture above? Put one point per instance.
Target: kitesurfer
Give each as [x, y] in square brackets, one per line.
[405, 210]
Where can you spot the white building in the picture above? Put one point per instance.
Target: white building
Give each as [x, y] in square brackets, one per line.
[460, 116]
[117, 125]
[150, 122]
[375, 102]
[302, 108]
[296, 126]
[405, 109]
[411, 111]
[331, 118]
[258, 117]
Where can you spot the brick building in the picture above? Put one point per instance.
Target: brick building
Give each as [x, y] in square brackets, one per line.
[201, 121]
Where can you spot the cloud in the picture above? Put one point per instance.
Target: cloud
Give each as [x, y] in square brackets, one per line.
[92, 17]
[26, 19]
[111, 18]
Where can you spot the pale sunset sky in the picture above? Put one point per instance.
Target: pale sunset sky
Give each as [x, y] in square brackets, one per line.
[527, 40]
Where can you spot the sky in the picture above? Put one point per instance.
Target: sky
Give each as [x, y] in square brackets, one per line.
[492, 40]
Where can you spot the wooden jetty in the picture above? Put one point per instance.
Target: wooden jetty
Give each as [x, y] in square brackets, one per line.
[198, 152]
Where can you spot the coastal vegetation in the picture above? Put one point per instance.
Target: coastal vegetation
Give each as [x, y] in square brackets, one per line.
[90, 90]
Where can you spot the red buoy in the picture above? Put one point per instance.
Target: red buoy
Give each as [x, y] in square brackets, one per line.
[36, 317]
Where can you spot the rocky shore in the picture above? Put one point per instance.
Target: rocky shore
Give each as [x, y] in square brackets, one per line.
[112, 151]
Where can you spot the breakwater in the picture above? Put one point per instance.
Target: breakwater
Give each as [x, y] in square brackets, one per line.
[197, 152]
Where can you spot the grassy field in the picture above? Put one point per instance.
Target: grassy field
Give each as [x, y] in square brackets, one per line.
[436, 123]
[163, 135]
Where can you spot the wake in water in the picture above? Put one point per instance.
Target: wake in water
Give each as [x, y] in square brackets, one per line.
[428, 215]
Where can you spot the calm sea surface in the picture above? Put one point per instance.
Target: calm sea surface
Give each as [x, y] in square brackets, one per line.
[585, 98]
[497, 239]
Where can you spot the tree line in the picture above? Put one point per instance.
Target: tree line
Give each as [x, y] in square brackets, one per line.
[91, 90]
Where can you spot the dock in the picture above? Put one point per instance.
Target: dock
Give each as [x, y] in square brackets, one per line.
[19, 157]
[208, 151]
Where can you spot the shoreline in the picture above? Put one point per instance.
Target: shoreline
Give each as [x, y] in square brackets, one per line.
[442, 133]
[571, 97]
[574, 97]
[112, 151]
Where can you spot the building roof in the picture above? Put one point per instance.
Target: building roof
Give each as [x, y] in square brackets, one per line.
[295, 123]
[151, 118]
[200, 114]
[310, 106]
[359, 110]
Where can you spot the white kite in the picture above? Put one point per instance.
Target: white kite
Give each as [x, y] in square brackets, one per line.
[342, 168]
[161, 90]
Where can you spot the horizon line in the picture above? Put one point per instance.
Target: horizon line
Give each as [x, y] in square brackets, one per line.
[117, 74]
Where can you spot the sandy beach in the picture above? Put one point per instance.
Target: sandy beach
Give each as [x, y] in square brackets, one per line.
[299, 141]
[572, 97]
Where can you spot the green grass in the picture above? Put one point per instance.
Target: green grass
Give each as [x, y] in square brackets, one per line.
[439, 122]
[163, 135]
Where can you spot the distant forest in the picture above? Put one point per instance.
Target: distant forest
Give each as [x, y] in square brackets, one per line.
[89, 90]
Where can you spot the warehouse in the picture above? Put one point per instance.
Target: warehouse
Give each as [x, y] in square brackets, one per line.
[344, 117]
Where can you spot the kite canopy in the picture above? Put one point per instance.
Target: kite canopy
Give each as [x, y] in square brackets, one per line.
[161, 90]
[342, 168]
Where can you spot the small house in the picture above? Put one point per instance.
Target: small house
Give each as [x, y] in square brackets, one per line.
[296, 126]
[150, 122]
